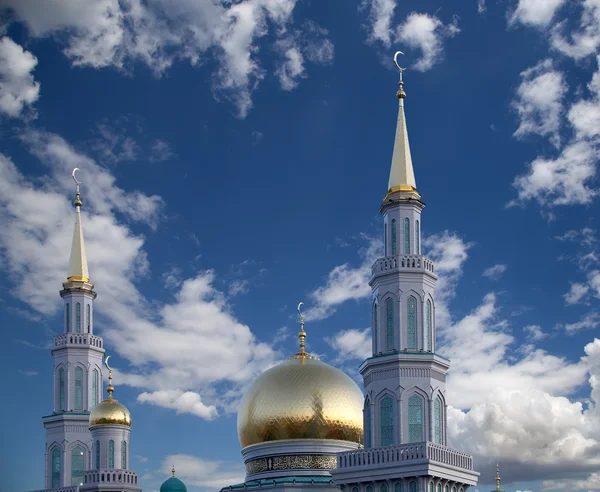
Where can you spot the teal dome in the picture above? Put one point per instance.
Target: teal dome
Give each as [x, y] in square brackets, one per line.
[173, 485]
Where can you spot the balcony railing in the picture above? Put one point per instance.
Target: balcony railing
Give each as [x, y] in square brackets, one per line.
[71, 488]
[405, 452]
[110, 476]
[402, 262]
[77, 339]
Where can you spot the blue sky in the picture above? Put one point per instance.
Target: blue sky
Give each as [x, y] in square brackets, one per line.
[234, 157]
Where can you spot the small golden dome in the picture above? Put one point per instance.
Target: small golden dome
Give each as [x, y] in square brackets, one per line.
[301, 398]
[110, 412]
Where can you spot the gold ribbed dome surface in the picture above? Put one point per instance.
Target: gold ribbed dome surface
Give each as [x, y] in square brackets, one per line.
[110, 412]
[301, 398]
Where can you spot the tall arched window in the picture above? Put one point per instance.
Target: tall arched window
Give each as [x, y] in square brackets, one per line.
[412, 487]
[417, 238]
[389, 324]
[355, 489]
[78, 388]
[77, 318]
[55, 468]
[367, 416]
[415, 419]
[88, 317]
[61, 389]
[111, 454]
[383, 487]
[437, 421]
[384, 239]
[439, 487]
[453, 489]
[398, 487]
[94, 388]
[369, 488]
[77, 465]
[386, 418]
[68, 316]
[375, 327]
[411, 312]
[124, 455]
[428, 324]
[394, 233]
[97, 455]
[447, 488]
[431, 486]
[406, 236]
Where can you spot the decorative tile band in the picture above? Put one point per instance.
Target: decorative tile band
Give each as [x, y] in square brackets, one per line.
[292, 462]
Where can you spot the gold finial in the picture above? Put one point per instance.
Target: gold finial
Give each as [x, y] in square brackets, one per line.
[400, 94]
[497, 476]
[173, 471]
[77, 201]
[110, 388]
[301, 333]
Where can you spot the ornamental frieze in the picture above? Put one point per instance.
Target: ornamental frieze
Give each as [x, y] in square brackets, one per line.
[292, 462]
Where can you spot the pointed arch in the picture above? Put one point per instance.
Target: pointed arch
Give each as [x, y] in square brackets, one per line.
[78, 317]
[369, 488]
[415, 418]
[437, 420]
[78, 401]
[428, 325]
[367, 423]
[61, 389]
[439, 487]
[88, 318]
[375, 329]
[95, 381]
[56, 468]
[412, 486]
[383, 487]
[124, 455]
[406, 236]
[77, 464]
[398, 487]
[389, 324]
[394, 238]
[417, 238]
[386, 420]
[68, 316]
[411, 325]
[431, 486]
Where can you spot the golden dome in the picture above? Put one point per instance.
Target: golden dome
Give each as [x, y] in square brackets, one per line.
[301, 398]
[110, 412]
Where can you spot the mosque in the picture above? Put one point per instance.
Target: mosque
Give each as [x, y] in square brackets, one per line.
[303, 424]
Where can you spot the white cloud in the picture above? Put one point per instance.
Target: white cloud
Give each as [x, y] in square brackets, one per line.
[352, 344]
[494, 272]
[29, 373]
[481, 6]
[238, 287]
[584, 115]
[586, 236]
[195, 471]
[160, 33]
[183, 402]
[539, 101]
[537, 13]
[585, 39]
[380, 17]
[291, 69]
[161, 151]
[18, 90]
[534, 333]
[426, 33]
[588, 321]
[576, 293]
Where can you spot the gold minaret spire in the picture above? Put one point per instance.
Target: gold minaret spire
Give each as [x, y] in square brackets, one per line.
[110, 388]
[497, 476]
[173, 471]
[78, 268]
[302, 354]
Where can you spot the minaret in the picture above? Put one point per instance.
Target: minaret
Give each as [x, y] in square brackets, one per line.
[405, 380]
[77, 373]
[497, 489]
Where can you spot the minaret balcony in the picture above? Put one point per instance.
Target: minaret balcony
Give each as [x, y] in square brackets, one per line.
[110, 476]
[403, 263]
[77, 340]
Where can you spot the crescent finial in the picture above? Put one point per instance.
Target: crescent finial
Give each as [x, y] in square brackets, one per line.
[299, 312]
[73, 175]
[106, 363]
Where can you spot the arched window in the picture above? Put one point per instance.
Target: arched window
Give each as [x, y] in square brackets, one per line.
[428, 324]
[417, 238]
[386, 417]
[68, 316]
[412, 322]
[384, 239]
[111, 454]
[94, 388]
[415, 419]
[389, 324]
[398, 487]
[97, 455]
[78, 388]
[437, 421]
[124, 455]
[355, 489]
[88, 317]
[369, 488]
[77, 318]
[55, 468]
[394, 248]
[447, 488]
[61, 389]
[367, 416]
[406, 236]
[383, 487]
[77, 465]
[412, 486]
[431, 486]
[439, 487]
[375, 327]
[453, 489]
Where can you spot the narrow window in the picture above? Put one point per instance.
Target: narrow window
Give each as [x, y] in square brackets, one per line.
[384, 239]
[412, 486]
[453, 489]
[61, 389]
[369, 488]
[386, 416]
[97, 455]
[367, 414]
[417, 238]
[415, 419]
[68, 316]
[439, 487]
[55, 468]
[383, 487]
[412, 322]
[394, 248]
[428, 324]
[77, 318]
[355, 489]
[77, 465]
[398, 487]
[94, 388]
[375, 327]
[111, 454]
[447, 488]
[389, 326]
[124, 455]
[88, 317]
[78, 388]
[407, 236]
[437, 421]
[431, 487]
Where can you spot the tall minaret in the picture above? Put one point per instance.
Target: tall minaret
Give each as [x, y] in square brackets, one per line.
[78, 357]
[405, 394]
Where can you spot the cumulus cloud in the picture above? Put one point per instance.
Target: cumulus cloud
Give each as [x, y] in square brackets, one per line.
[352, 344]
[380, 17]
[588, 321]
[576, 293]
[18, 89]
[238, 287]
[183, 402]
[537, 13]
[158, 34]
[161, 151]
[481, 8]
[584, 40]
[494, 272]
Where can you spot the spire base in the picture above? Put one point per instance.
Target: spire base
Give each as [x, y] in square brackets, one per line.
[402, 192]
